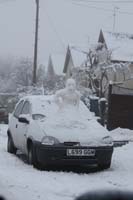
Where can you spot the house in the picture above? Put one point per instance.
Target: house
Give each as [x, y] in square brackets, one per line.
[121, 46]
[50, 69]
[74, 58]
[55, 65]
[54, 77]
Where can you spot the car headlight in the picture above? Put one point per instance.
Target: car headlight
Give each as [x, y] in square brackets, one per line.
[49, 140]
[107, 140]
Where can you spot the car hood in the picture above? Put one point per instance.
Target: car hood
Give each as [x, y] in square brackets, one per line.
[74, 129]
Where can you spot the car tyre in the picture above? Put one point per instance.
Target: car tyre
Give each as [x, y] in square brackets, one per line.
[10, 145]
[32, 158]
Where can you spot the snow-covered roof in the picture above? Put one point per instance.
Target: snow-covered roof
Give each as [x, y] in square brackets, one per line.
[74, 58]
[123, 88]
[78, 57]
[121, 45]
[44, 102]
[58, 63]
[33, 98]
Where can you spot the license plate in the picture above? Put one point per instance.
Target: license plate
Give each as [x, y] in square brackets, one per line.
[80, 152]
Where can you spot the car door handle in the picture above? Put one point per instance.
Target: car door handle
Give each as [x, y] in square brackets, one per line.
[16, 125]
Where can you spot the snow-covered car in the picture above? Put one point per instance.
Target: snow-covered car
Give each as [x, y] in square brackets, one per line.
[50, 136]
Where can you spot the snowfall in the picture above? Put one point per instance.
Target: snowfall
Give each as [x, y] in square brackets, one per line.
[18, 180]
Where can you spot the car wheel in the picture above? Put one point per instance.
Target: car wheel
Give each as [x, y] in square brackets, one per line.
[10, 146]
[32, 159]
[104, 166]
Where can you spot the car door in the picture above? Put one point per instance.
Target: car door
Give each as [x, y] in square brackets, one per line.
[13, 122]
[23, 127]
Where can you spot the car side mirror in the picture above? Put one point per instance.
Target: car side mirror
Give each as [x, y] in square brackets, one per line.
[23, 119]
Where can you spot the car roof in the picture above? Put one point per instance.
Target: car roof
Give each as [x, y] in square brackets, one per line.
[32, 98]
[41, 104]
[45, 104]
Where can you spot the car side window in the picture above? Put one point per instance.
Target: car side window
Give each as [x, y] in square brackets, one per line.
[26, 108]
[18, 109]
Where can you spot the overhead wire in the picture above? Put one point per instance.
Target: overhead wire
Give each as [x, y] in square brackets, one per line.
[75, 2]
[55, 30]
[107, 1]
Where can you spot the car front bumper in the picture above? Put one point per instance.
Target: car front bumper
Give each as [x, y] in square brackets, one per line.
[57, 155]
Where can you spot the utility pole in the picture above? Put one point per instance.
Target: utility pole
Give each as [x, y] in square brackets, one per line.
[114, 22]
[34, 81]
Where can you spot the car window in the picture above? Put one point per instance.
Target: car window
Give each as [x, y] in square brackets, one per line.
[26, 108]
[18, 109]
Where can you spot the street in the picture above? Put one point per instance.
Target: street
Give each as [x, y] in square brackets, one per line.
[19, 180]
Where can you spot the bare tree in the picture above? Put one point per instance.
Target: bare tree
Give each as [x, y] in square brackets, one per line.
[98, 70]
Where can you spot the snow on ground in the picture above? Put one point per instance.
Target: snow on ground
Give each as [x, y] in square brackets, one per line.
[3, 130]
[20, 180]
[120, 134]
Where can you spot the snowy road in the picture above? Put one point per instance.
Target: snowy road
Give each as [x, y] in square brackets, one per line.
[19, 181]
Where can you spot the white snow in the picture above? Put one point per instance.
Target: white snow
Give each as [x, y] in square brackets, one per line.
[3, 130]
[120, 134]
[121, 45]
[20, 181]
[71, 124]
[78, 56]
[58, 63]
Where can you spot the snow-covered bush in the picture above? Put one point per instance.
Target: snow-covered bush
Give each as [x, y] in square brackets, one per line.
[15, 74]
[54, 84]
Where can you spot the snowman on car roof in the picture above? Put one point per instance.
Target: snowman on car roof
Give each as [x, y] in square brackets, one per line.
[68, 96]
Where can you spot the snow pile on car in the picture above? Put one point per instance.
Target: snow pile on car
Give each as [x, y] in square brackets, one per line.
[70, 123]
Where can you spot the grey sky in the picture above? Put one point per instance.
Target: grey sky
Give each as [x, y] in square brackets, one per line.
[61, 23]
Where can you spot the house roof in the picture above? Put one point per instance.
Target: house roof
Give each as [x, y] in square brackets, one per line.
[77, 58]
[50, 68]
[121, 45]
[68, 58]
[58, 63]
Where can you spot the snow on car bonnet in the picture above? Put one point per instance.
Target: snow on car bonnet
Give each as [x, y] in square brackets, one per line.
[71, 123]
